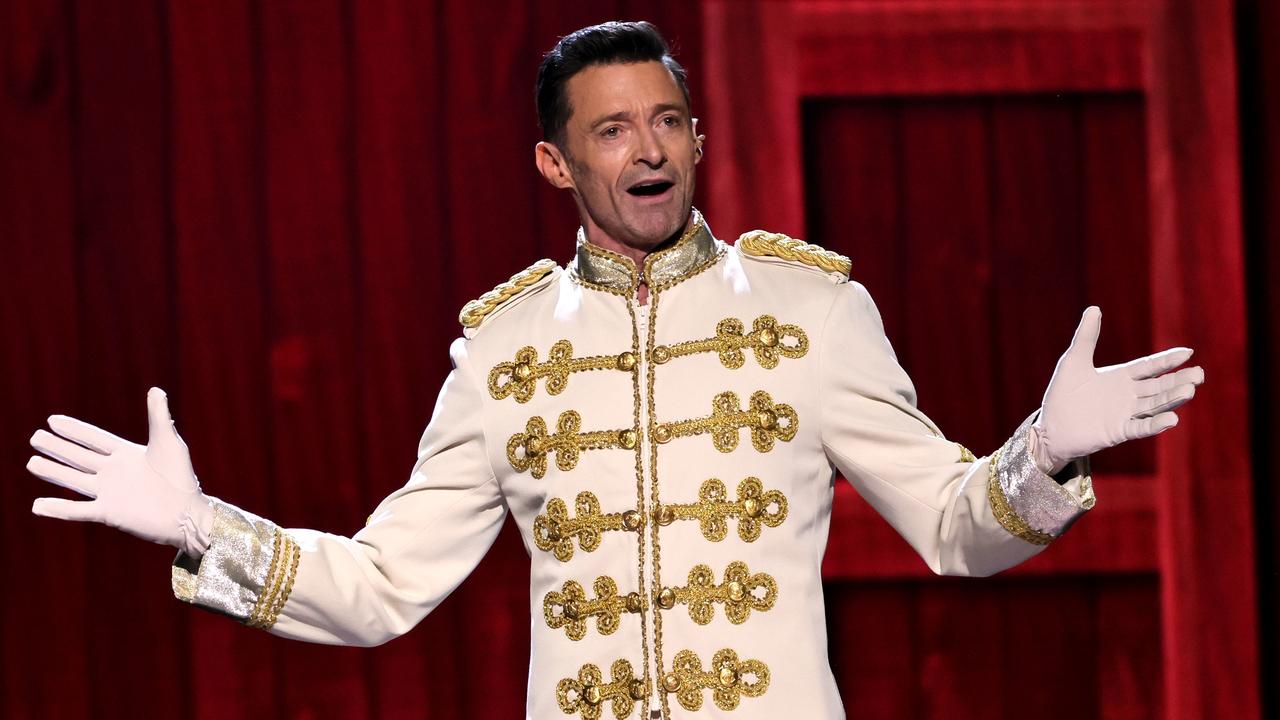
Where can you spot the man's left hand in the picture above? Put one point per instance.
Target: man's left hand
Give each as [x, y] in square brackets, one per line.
[1087, 409]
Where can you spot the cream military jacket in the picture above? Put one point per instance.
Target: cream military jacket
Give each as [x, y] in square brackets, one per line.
[670, 468]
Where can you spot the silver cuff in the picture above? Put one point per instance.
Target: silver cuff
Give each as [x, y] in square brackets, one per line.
[247, 572]
[1028, 503]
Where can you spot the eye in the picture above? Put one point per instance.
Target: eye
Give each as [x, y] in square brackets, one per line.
[671, 121]
[611, 131]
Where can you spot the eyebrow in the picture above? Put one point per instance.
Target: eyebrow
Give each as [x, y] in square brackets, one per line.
[626, 115]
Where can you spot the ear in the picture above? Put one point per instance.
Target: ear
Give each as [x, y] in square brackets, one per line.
[553, 165]
[697, 142]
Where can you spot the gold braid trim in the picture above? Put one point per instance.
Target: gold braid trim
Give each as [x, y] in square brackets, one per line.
[570, 607]
[518, 378]
[279, 583]
[768, 340]
[474, 312]
[1005, 514]
[586, 693]
[761, 244]
[740, 593]
[728, 679]
[528, 450]
[554, 531]
[754, 508]
[764, 419]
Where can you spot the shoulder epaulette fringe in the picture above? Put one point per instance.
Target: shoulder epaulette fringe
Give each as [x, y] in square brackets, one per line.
[474, 312]
[761, 244]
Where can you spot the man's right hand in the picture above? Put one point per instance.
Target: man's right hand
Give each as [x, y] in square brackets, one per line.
[149, 491]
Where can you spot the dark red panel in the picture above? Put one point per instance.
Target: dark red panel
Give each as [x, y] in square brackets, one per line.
[315, 465]
[44, 613]
[853, 170]
[127, 331]
[947, 277]
[219, 268]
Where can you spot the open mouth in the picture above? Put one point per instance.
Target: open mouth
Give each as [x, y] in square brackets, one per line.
[650, 188]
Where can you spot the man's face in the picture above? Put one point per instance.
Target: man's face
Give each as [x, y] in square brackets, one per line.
[631, 151]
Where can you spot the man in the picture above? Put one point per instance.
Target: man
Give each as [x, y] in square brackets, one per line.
[663, 419]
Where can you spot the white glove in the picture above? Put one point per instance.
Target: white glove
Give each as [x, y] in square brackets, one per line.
[150, 491]
[1087, 409]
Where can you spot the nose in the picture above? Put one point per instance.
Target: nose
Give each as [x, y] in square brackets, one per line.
[651, 151]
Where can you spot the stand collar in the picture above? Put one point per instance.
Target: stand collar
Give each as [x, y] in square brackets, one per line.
[693, 252]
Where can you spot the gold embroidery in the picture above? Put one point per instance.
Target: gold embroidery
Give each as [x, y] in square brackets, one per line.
[519, 378]
[279, 582]
[588, 691]
[762, 417]
[474, 312]
[753, 508]
[741, 592]
[768, 340]
[1005, 514]
[640, 538]
[966, 455]
[760, 243]
[655, 299]
[728, 679]
[569, 608]
[528, 450]
[554, 531]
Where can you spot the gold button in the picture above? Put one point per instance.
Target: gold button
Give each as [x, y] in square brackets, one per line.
[632, 520]
[767, 419]
[728, 676]
[571, 610]
[752, 507]
[533, 446]
[553, 533]
[664, 515]
[661, 434]
[627, 361]
[627, 439]
[736, 591]
[768, 337]
[671, 682]
[592, 694]
[633, 603]
[661, 354]
[638, 689]
[523, 372]
[667, 598]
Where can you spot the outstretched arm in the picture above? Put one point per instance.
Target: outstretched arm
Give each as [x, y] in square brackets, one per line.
[969, 515]
[420, 543]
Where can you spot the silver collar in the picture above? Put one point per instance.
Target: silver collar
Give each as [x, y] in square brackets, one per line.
[694, 251]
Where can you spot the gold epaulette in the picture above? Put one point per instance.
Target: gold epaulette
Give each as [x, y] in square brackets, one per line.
[474, 312]
[766, 244]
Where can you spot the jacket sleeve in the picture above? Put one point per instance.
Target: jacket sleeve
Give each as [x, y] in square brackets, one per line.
[419, 544]
[963, 515]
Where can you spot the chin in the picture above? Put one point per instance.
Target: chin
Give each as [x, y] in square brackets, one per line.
[656, 227]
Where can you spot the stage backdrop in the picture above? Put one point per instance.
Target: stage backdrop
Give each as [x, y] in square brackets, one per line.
[274, 211]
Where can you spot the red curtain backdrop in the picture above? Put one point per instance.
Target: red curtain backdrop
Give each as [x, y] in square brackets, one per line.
[275, 209]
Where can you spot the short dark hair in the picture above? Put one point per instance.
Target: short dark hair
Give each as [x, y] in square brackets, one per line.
[603, 44]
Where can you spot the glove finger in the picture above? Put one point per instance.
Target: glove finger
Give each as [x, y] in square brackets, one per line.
[1157, 364]
[1086, 337]
[1169, 381]
[67, 452]
[1146, 427]
[63, 476]
[94, 438]
[1165, 401]
[79, 510]
[158, 417]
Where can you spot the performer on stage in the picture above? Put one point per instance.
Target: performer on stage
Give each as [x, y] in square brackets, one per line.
[663, 418]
